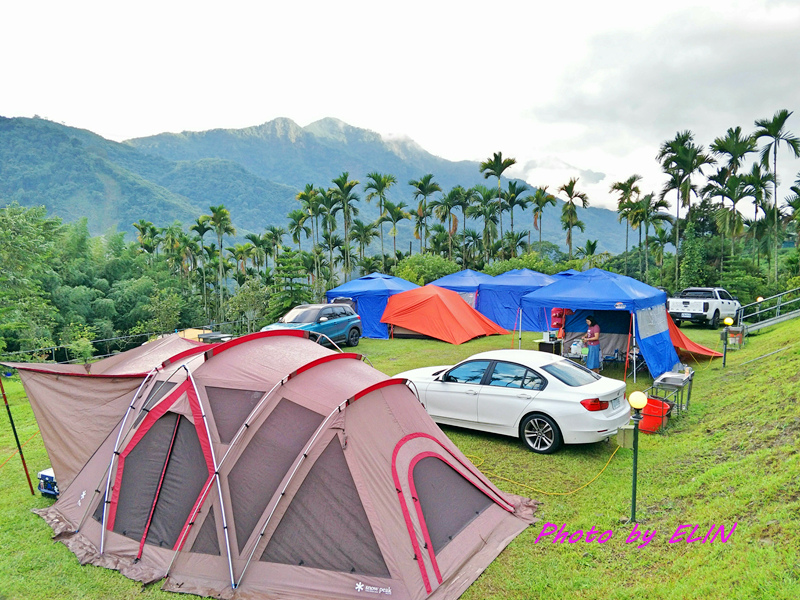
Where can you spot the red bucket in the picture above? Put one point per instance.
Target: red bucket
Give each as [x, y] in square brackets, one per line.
[654, 415]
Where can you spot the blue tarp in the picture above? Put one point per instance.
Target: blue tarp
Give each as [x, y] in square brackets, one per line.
[499, 299]
[598, 290]
[463, 281]
[371, 293]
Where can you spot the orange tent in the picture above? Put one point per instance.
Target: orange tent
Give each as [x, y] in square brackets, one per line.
[438, 313]
[680, 341]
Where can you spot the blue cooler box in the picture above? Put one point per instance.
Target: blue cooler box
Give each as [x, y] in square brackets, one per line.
[47, 483]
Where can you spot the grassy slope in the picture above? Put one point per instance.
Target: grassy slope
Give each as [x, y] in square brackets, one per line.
[733, 458]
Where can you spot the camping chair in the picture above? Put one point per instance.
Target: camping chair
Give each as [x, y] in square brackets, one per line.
[609, 357]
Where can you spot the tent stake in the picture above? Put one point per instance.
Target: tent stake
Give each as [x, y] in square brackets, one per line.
[16, 437]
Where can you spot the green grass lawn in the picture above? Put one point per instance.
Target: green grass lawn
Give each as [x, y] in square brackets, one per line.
[733, 459]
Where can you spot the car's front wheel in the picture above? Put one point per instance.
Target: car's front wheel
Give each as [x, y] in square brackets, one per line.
[352, 337]
[540, 434]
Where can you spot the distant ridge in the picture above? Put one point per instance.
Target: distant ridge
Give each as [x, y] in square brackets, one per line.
[256, 172]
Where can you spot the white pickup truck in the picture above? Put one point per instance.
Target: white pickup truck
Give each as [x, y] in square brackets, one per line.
[703, 305]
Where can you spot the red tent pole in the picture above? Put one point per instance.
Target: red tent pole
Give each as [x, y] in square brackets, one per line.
[628, 350]
[16, 437]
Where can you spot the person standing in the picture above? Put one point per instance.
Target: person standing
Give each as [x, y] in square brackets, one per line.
[592, 341]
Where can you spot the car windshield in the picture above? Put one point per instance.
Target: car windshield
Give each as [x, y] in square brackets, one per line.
[301, 314]
[572, 374]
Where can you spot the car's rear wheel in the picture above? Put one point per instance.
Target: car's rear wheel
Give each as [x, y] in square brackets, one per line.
[540, 434]
[352, 337]
[715, 320]
[677, 322]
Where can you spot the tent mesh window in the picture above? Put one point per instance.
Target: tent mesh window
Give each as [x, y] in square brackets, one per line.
[255, 477]
[206, 541]
[437, 483]
[230, 408]
[325, 526]
[160, 389]
[170, 449]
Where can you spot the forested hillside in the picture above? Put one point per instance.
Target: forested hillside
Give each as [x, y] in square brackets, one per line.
[255, 172]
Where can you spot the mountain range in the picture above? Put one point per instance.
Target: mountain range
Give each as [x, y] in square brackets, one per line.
[256, 172]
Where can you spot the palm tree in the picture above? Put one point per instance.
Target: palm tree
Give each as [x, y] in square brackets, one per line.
[471, 249]
[485, 208]
[297, 226]
[651, 215]
[443, 209]
[793, 202]
[201, 228]
[680, 159]
[512, 242]
[626, 190]
[758, 182]
[363, 234]
[495, 167]
[569, 221]
[147, 237]
[735, 147]
[171, 241]
[394, 213]
[377, 186]
[775, 130]
[514, 198]
[242, 253]
[541, 198]
[220, 222]
[660, 241]
[424, 187]
[346, 198]
[569, 214]
[274, 235]
[330, 242]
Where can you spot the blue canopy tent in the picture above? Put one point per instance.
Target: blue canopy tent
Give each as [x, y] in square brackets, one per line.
[597, 292]
[500, 299]
[370, 294]
[464, 282]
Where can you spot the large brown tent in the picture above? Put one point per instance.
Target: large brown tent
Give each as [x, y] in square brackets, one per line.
[280, 469]
[439, 313]
[77, 405]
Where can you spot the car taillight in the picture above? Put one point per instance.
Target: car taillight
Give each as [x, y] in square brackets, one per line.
[705, 306]
[593, 404]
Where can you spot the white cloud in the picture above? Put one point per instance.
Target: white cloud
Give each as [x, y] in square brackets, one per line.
[578, 89]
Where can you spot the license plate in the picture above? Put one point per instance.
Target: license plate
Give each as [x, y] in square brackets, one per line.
[615, 404]
[686, 316]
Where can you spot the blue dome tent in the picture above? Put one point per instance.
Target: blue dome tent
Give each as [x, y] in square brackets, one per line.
[464, 282]
[621, 305]
[500, 299]
[371, 293]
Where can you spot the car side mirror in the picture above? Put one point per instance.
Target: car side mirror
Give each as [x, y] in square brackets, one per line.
[280, 320]
[322, 319]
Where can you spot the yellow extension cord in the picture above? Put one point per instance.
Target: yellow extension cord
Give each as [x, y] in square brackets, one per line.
[495, 475]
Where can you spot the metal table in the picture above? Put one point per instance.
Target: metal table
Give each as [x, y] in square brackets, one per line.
[674, 386]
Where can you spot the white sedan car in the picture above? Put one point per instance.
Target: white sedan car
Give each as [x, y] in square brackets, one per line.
[542, 398]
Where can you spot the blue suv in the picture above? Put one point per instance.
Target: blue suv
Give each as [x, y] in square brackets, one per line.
[337, 322]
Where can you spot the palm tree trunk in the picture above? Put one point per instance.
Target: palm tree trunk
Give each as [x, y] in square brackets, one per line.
[775, 197]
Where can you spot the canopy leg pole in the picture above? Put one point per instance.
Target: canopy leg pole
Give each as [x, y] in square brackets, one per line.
[519, 344]
[633, 326]
[16, 438]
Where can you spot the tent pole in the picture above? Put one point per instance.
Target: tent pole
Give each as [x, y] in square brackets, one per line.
[303, 456]
[216, 477]
[633, 321]
[115, 453]
[519, 344]
[16, 438]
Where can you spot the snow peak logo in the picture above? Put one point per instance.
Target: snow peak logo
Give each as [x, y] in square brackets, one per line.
[373, 589]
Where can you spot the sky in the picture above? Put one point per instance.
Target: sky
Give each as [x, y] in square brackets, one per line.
[570, 89]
